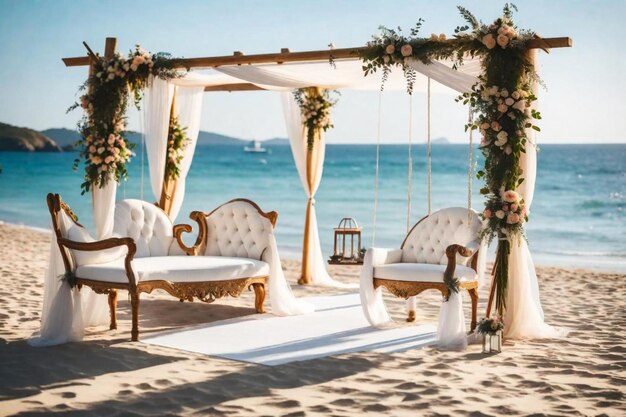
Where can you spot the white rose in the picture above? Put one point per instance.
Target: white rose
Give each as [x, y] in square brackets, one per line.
[390, 49]
[515, 95]
[509, 101]
[520, 105]
[500, 214]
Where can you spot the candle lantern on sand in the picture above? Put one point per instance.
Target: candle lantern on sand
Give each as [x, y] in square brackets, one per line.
[345, 253]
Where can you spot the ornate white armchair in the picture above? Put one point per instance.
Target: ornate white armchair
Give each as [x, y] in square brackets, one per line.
[444, 244]
[151, 255]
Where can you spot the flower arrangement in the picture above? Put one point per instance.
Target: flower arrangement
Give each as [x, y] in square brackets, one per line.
[176, 143]
[104, 146]
[315, 109]
[501, 101]
[489, 326]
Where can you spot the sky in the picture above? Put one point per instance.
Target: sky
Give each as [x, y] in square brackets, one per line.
[584, 101]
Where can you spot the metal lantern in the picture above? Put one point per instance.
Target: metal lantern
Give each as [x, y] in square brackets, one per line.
[347, 230]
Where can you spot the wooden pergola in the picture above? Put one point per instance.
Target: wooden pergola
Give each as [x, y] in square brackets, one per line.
[239, 58]
[284, 56]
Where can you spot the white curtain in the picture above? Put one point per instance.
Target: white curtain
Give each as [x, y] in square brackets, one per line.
[298, 139]
[62, 312]
[524, 314]
[157, 103]
[189, 108]
[96, 306]
[283, 302]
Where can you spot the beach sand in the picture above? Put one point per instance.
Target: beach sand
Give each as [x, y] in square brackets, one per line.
[106, 375]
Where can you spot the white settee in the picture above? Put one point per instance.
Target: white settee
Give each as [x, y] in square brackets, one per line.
[440, 248]
[150, 254]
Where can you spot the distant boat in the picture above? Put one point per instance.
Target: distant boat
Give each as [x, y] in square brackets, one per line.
[254, 147]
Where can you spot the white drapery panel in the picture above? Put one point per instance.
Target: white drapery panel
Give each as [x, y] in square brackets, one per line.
[349, 75]
[95, 306]
[298, 140]
[157, 106]
[189, 108]
[524, 314]
[66, 311]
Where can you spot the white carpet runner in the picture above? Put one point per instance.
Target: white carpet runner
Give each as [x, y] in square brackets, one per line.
[337, 326]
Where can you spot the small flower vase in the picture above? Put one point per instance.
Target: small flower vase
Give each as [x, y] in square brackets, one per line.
[492, 343]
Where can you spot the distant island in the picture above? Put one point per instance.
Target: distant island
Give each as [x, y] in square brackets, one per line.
[440, 141]
[22, 139]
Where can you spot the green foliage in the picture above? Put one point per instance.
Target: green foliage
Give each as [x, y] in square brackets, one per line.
[315, 108]
[489, 326]
[177, 141]
[109, 89]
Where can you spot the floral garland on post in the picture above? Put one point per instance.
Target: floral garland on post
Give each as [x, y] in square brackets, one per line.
[103, 145]
[177, 142]
[502, 102]
[315, 108]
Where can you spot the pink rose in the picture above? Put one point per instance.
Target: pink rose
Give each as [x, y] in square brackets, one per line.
[514, 207]
[442, 37]
[390, 49]
[512, 218]
[487, 214]
[508, 150]
[505, 207]
[515, 95]
[495, 126]
[510, 196]
[503, 108]
[92, 149]
[509, 101]
[520, 105]
[105, 168]
[406, 50]
[489, 41]
[503, 41]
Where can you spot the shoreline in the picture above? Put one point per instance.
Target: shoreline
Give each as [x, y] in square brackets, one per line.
[604, 264]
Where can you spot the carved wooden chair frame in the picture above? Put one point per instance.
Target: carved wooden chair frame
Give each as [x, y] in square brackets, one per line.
[207, 291]
[406, 289]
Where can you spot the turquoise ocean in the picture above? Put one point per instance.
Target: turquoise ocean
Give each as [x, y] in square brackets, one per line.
[577, 219]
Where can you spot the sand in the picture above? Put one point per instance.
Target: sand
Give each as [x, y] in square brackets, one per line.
[106, 375]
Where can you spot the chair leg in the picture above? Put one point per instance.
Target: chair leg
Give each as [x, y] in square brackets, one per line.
[259, 292]
[411, 306]
[112, 309]
[473, 292]
[134, 303]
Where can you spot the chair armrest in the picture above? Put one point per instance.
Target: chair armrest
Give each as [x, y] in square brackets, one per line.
[200, 244]
[451, 253]
[100, 244]
[107, 244]
[384, 256]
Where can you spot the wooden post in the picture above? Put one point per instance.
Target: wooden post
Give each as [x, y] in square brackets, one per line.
[311, 161]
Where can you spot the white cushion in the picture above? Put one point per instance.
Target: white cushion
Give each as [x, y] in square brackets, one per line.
[147, 225]
[421, 272]
[237, 229]
[177, 269]
[428, 240]
[72, 231]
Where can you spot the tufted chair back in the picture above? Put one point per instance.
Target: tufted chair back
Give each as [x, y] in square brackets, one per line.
[429, 238]
[240, 229]
[147, 225]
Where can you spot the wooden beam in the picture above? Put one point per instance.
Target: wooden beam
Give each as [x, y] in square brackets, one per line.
[234, 87]
[307, 56]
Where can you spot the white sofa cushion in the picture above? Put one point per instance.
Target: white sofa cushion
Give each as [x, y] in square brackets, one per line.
[72, 231]
[237, 229]
[421, 272]
[177, 269]
[428, 240]
[147, 225]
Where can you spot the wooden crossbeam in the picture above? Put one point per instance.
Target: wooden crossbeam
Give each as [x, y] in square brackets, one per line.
[234, 87]
[306, 56]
